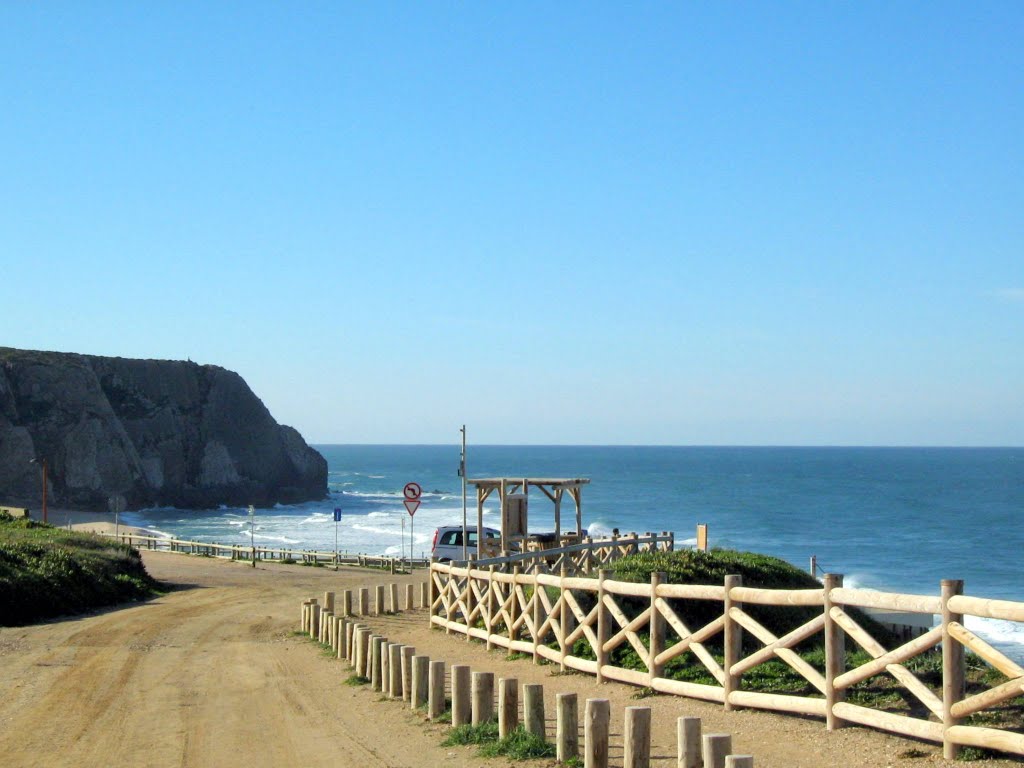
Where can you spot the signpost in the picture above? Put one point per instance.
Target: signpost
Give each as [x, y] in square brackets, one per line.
[412, 493]
[252, 532]
[337, 519]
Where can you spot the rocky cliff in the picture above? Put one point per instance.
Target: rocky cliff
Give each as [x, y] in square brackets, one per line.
[160, 432]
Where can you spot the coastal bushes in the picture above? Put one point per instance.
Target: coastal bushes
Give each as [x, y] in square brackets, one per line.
[46, 572]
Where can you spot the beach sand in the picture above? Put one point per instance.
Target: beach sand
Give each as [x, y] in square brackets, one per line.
[213, 674]
[94, 522]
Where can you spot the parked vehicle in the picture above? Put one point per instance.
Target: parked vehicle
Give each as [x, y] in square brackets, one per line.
[448, 542]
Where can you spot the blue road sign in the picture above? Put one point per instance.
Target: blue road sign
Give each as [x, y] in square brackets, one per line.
[337, 514]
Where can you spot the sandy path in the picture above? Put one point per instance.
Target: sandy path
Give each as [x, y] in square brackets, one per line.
[212, 675]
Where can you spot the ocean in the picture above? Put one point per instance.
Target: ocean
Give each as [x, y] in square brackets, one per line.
[897, 519]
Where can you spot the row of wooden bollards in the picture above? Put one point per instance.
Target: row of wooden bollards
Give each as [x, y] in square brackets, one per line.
[357, 603]
[399, 673]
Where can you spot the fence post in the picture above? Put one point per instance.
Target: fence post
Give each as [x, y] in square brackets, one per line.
[483, 697]
[435, 700]
[715, 748]
[602, 630]
[637, 738]
[488, 612]
[314, 624]
[657, 628]
[702, 537]
[419, 690]
[564, 613]
[739, 761]
[346, 602]
[533, 709]
[469, 596]
[835, 653]
[409, 602]
[385, 668]
[595, 733]
[424, 591]
[953, 672]
[329, 601]
[537, 587]
[378, 600]
[567, 740]
[688, 745]
[513, 608]
[461, 706]
[508, 706]
[393, 598]
[733, 642]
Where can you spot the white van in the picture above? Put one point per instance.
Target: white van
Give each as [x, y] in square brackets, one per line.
[448, 542]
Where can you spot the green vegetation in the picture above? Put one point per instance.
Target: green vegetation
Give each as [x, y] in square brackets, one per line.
[357, 680]
[47, 572]
[518, 745]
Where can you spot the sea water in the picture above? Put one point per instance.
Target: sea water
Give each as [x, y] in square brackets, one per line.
[898, 519]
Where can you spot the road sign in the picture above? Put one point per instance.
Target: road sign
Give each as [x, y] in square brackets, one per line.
[412, 490]
[412, 505]
[117, 503]
[337, 514]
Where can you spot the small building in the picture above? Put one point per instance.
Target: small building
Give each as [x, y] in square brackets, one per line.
[513, 493]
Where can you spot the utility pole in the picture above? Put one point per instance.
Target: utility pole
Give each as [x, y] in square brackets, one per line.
[462, 474]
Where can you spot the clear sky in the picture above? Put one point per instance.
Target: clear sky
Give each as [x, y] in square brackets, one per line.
[664, 223]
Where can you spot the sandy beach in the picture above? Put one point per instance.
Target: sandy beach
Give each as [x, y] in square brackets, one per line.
[212, 673]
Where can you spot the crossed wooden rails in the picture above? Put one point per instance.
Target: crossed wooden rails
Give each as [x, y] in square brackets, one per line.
[586, 556]
[543, 614]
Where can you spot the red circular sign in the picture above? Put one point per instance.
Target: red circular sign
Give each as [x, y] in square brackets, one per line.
[412, 490]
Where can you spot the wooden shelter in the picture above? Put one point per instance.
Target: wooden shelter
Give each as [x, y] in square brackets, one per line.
[513, 494]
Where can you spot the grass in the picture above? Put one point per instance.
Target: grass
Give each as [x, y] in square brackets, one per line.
[47, 572]
[357, 680]
[518, 745]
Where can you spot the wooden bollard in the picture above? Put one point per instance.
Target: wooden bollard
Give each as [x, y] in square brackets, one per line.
[314, 623]
[329, 602]
[419, 688]
[596, 717]
[325, 623]
[637, 738]
[409, 597]
[483, 697]
[567, 740]
[424, 592]
[350, 642]
[739, 761]
[407, 653]
[358, 643]
[461, 695]
[346, 603]
[376, 643]
[341, 626]
[395, 671]
[435, 696]
[533, 709]
[714, 748]
[378, 607]
[364, 601]
[688, 744]
[304, 616]
[363, 651]
[393, 598]
[508, 706]
[385, 666]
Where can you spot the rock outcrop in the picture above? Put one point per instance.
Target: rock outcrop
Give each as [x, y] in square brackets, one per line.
[160, 432]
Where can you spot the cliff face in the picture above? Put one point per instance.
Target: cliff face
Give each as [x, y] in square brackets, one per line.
[159, 432]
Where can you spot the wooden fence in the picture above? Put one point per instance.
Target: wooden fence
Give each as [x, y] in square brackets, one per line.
[545, 615]
[241, 552]
[586, 557]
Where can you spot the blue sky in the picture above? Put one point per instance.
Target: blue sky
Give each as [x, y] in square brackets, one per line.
[714, 223]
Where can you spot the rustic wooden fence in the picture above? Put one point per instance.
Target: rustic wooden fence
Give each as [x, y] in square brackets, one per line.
[588, 556]
[248, 553]
[545, 615]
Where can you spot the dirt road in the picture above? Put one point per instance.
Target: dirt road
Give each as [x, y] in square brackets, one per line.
[211, 674]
